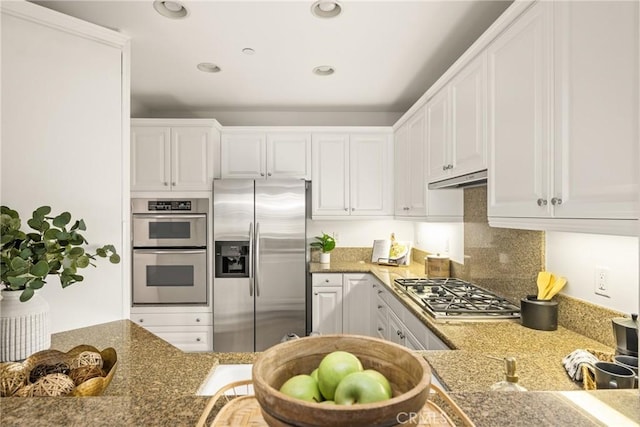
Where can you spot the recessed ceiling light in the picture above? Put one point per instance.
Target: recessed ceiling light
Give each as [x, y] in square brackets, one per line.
[170, 9]
[208, 67]
[326, 8]
[324, 70]
[248, 51]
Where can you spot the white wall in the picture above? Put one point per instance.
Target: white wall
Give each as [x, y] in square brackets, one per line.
[443, 238]
[62, 145]
[360, 233]
[575, 256]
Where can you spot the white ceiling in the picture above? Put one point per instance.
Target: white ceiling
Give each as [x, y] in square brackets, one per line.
[386, 53]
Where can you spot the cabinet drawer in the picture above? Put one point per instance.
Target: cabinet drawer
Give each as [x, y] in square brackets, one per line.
[387, 296]
[172, 319]
[196, 338]
[325, 279]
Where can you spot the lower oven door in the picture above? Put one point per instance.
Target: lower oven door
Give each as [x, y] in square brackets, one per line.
[169, 276]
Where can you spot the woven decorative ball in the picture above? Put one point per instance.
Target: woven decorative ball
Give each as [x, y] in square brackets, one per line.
[84, 373]
[24, 391]
[12, 377]
[42, 370]
[53, 385]
[87, 358]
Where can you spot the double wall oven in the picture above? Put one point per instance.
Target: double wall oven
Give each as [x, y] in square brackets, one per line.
[169, 251]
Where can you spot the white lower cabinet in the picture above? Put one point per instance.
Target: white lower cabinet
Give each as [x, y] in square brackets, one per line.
[357, 295]
[189, 331]
[326, 303]
[396, 323]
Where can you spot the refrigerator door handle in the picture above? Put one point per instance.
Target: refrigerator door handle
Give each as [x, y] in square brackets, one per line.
[256, 278]
[251, 259]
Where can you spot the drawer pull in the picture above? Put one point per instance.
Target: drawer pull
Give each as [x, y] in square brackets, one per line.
[380, 329]
[141, 320]
[197, 319]
[379, 307]
[379, 292]
[198, 339]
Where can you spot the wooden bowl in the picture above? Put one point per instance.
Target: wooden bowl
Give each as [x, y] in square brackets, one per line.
[408, 373]
[92, 387]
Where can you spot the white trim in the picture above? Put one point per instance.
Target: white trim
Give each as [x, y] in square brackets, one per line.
[311, 129]
[59, 21]
[125, 259]
[176, 122]
[617, 227]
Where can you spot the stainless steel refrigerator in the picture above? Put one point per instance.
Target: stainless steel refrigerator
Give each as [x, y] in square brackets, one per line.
[259, 232]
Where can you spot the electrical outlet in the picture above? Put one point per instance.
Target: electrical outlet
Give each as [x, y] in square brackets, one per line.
[602, 281]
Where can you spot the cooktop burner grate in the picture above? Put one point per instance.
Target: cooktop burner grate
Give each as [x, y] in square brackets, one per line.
[455, 298]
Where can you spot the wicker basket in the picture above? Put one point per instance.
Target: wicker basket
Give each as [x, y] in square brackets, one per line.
[588, 374]
[55, 362]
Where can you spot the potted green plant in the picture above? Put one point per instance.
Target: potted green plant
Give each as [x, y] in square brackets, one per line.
[51, 247]
[325, 244]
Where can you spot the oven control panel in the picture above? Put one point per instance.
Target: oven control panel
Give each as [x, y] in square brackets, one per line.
[169, 205]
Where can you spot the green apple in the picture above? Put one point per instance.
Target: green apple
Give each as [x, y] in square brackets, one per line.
[302, 387]
[333, 368]
[360, 387]
[314, 374]
[381, 378]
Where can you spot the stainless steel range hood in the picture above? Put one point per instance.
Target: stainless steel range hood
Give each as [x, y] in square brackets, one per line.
[475, 179]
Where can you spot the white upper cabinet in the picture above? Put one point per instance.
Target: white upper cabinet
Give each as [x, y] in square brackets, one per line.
[243, 155]
[253, 154]
[330, 174]
[289, 155]
[468, 118]
[173, 155]
[412, 198]
[596, 110]
[456, 125]
[410, 149]
[352, 174]
[519, 109]
[563, 118]
[438, 135]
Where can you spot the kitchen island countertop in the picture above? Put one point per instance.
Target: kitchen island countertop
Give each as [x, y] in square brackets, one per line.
[155, 385]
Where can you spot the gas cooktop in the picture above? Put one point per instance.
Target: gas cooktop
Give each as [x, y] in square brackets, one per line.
[457, 299]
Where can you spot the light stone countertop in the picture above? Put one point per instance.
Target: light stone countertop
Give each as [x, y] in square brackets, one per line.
[472, 367]
[155, 385]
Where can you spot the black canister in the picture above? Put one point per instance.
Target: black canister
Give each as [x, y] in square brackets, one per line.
[539, 314]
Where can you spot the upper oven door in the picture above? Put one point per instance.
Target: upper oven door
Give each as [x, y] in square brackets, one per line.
[169, 230]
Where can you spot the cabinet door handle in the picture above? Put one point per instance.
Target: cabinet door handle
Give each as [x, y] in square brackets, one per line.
[315, 293]
[449, 166]
[379, 292]
[380, 329]
[261, 173]
[444, 167]
[353, 209]
[269, 174]
[165, 183]
[173, 183]
[401, 336]
[542, 202]
[379, 307]
[346, 209]
[556, 201]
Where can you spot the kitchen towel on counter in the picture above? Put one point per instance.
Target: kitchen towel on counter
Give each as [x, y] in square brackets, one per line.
[574, 360]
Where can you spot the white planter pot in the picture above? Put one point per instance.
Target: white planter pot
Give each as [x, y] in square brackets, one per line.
[325, 257]
[24, 326]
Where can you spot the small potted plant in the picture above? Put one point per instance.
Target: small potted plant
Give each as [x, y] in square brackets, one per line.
[26, 260]
[325, 244]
